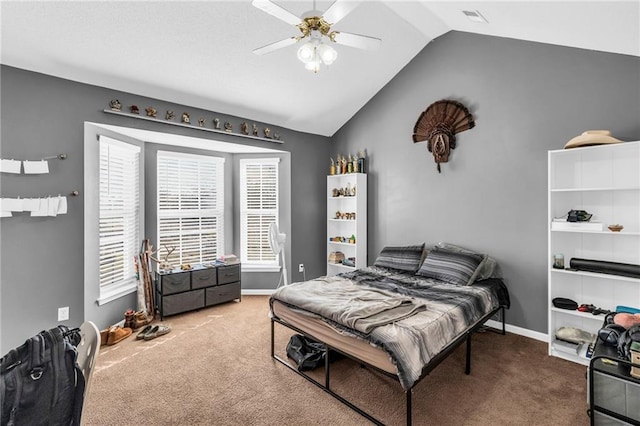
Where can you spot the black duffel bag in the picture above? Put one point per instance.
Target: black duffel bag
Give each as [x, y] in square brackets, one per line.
[307, 353]
[41, 382]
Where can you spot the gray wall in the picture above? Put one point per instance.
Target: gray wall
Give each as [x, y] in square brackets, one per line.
[41, 259]
[527, 98]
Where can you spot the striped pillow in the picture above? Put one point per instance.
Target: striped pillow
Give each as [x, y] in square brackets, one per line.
[450, 266]
[405, 258]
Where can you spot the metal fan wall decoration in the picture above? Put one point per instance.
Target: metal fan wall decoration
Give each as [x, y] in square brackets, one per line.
[438, 125]
[316, 33]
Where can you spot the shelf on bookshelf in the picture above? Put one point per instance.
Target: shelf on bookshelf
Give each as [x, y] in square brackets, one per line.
[595, 275]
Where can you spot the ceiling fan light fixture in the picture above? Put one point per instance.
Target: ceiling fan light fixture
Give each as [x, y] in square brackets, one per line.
[327, 53]
[306, 52]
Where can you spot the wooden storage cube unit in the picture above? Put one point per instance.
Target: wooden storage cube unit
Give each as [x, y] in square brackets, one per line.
[175, 283]
[228, 274]
[222, 293]
[182, 302]
[201, 278]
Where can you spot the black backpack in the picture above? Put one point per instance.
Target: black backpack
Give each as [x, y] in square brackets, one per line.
[41, 382]
[632, 334]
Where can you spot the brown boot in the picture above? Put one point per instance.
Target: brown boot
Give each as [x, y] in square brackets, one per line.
[140, 319]
[128, 318]
[118, 334]
[104, 336]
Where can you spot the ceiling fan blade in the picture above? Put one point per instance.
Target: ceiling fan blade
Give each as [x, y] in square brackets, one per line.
[338, 10]
[357, 40]
[277, 11]
[275, 46]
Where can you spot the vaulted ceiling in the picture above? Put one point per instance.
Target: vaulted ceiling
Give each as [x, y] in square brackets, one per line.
[200, 53]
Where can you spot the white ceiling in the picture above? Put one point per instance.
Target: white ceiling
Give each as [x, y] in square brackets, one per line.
[200, 53]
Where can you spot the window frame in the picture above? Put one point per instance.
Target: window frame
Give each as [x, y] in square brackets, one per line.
[265, 265]
[180, 213]
[113, 291]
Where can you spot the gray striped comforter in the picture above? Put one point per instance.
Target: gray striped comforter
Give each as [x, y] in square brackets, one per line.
[442, 311]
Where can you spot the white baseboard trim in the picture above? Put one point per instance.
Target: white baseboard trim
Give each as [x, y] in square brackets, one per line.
[519, 330]
[491, 323]
[257, 292]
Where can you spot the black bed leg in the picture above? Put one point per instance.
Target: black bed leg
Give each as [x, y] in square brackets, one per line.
[503, 321]
[326, 367]
[467, 369]
[409, 393]
[272, 345]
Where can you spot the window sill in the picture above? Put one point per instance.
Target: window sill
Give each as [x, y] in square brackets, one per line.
[115, 293]
[260, 268]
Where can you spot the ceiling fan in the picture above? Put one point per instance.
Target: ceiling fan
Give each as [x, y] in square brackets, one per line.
[316, 33]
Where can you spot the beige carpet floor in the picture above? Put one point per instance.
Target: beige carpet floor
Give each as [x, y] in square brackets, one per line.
[214, 368]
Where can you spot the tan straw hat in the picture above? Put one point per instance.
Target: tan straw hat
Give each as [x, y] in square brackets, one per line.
[591, 137]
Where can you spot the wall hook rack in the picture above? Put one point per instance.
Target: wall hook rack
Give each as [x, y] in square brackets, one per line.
[59, 157]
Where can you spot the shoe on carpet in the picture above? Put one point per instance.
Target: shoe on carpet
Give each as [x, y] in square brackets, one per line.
[104, 336]
[144, 332]
[128, 318]
[157, 331]
[118, 334]
[140, 319]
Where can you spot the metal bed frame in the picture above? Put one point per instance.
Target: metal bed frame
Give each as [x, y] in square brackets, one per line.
[435, 361]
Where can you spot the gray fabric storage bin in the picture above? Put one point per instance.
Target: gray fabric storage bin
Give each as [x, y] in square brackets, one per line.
[223, 293]
[601, 419]
[182, 302]
[228, 274]
[201, 278]
[175, 283]
[633, 401]
[609, 393]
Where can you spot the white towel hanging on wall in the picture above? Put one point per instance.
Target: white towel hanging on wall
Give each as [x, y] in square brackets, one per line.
[10, 166]
[35, 167]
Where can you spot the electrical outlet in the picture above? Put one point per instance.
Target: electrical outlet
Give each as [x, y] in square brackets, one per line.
[63, 313]
[301, 267]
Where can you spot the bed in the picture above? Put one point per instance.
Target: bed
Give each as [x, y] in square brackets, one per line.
[401, 316]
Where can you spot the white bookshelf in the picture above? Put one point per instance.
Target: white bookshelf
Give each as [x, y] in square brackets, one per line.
[340, 227]
[604, 180]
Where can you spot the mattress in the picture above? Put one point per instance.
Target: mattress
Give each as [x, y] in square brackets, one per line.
[322, 331]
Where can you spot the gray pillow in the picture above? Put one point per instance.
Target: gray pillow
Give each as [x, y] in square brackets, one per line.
[489, 267]
[403, 258]
[453, 267]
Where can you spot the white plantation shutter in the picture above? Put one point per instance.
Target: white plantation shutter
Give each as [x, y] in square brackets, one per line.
[258, 209]
[190, 207]
[119, 225]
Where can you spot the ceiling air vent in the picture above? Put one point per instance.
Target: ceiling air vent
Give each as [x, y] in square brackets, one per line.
[475, 16]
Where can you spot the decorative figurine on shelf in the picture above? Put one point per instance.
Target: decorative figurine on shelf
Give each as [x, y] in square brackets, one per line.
[336, 192]
[169, 115]
[343, 166]
[201, 121]
[356, 169]
[254, 129]
[350, 164]
[332, 170]
[276, 136]
[228, 127]
[134, 109]
[216, 123]
[267, 132]
[115, 105]
[347, 191]
[186, 118]
[361, 162]
[151, 111]
[352, 239]
[244, 128]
